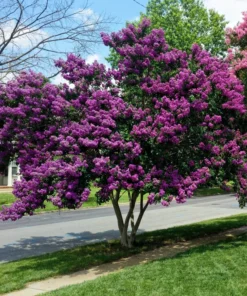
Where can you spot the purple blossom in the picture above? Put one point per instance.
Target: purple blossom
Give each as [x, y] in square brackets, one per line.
[146, 127]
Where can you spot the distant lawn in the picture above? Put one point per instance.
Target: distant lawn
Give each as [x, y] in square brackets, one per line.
[209, 191]
[212, 270]
[14, 275]
[8, 198]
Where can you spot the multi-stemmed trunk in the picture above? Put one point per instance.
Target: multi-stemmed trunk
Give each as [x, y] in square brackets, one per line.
[128, 238]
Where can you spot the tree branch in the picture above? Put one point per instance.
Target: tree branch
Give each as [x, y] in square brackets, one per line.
[38, 28]
[138, 221]
[15, 27]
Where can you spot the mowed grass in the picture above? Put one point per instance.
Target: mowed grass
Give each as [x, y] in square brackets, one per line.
[7, 199]
[14, 275]
[211, 270]
[209, 191]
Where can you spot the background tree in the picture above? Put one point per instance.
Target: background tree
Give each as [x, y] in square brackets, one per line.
[185, 23]
[159, 126]
[34, 32]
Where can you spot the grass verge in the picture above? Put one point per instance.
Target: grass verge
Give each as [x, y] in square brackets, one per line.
[7, 199]
[211, 270]
[14, 275]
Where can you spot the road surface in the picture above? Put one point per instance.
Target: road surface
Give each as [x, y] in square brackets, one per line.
[50, 232]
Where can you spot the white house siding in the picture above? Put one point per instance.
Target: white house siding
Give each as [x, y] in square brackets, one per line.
[10, 174]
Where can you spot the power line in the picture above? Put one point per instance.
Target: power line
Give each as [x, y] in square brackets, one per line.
[139, 3]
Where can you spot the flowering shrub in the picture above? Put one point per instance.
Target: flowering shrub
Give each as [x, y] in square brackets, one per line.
[236, 39]
[160, 125]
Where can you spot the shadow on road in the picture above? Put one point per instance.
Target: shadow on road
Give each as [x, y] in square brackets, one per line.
[38, 245]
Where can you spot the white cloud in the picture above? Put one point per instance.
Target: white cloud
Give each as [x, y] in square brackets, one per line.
[5, 77]
[232, 9]
[59, 79]
[91, 58]
[86, 13]
[88, 17]
[24, 39]
[135, 19]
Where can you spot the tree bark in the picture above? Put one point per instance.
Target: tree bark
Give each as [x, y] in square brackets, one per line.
[128, 238]
[118, 211]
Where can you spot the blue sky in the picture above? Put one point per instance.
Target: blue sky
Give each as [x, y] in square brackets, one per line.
[128, 10]
[122, 10]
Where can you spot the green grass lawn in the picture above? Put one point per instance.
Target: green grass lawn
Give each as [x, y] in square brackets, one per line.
[8, 198]
[209, 191]
[211, 270]
[14, 275]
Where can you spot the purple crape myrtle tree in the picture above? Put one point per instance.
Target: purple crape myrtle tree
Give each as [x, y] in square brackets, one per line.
[157, 127]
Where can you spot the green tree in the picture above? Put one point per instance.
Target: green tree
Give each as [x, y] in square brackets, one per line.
[185, 22]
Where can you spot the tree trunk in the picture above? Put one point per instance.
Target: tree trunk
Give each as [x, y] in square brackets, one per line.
[127, 239]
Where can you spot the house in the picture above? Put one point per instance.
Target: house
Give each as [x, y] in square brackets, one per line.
[9, 174]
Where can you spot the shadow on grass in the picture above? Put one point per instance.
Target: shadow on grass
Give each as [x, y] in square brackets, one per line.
[191, 231]
[147, 240]
[14, 275]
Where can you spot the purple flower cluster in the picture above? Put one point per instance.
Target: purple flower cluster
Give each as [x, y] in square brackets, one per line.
[161, 124]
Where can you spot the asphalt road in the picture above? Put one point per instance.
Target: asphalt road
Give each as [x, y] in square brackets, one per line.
[50, 232]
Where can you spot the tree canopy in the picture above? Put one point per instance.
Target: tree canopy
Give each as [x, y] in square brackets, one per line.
[185, 23]
[160, 125]
[236, 40]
